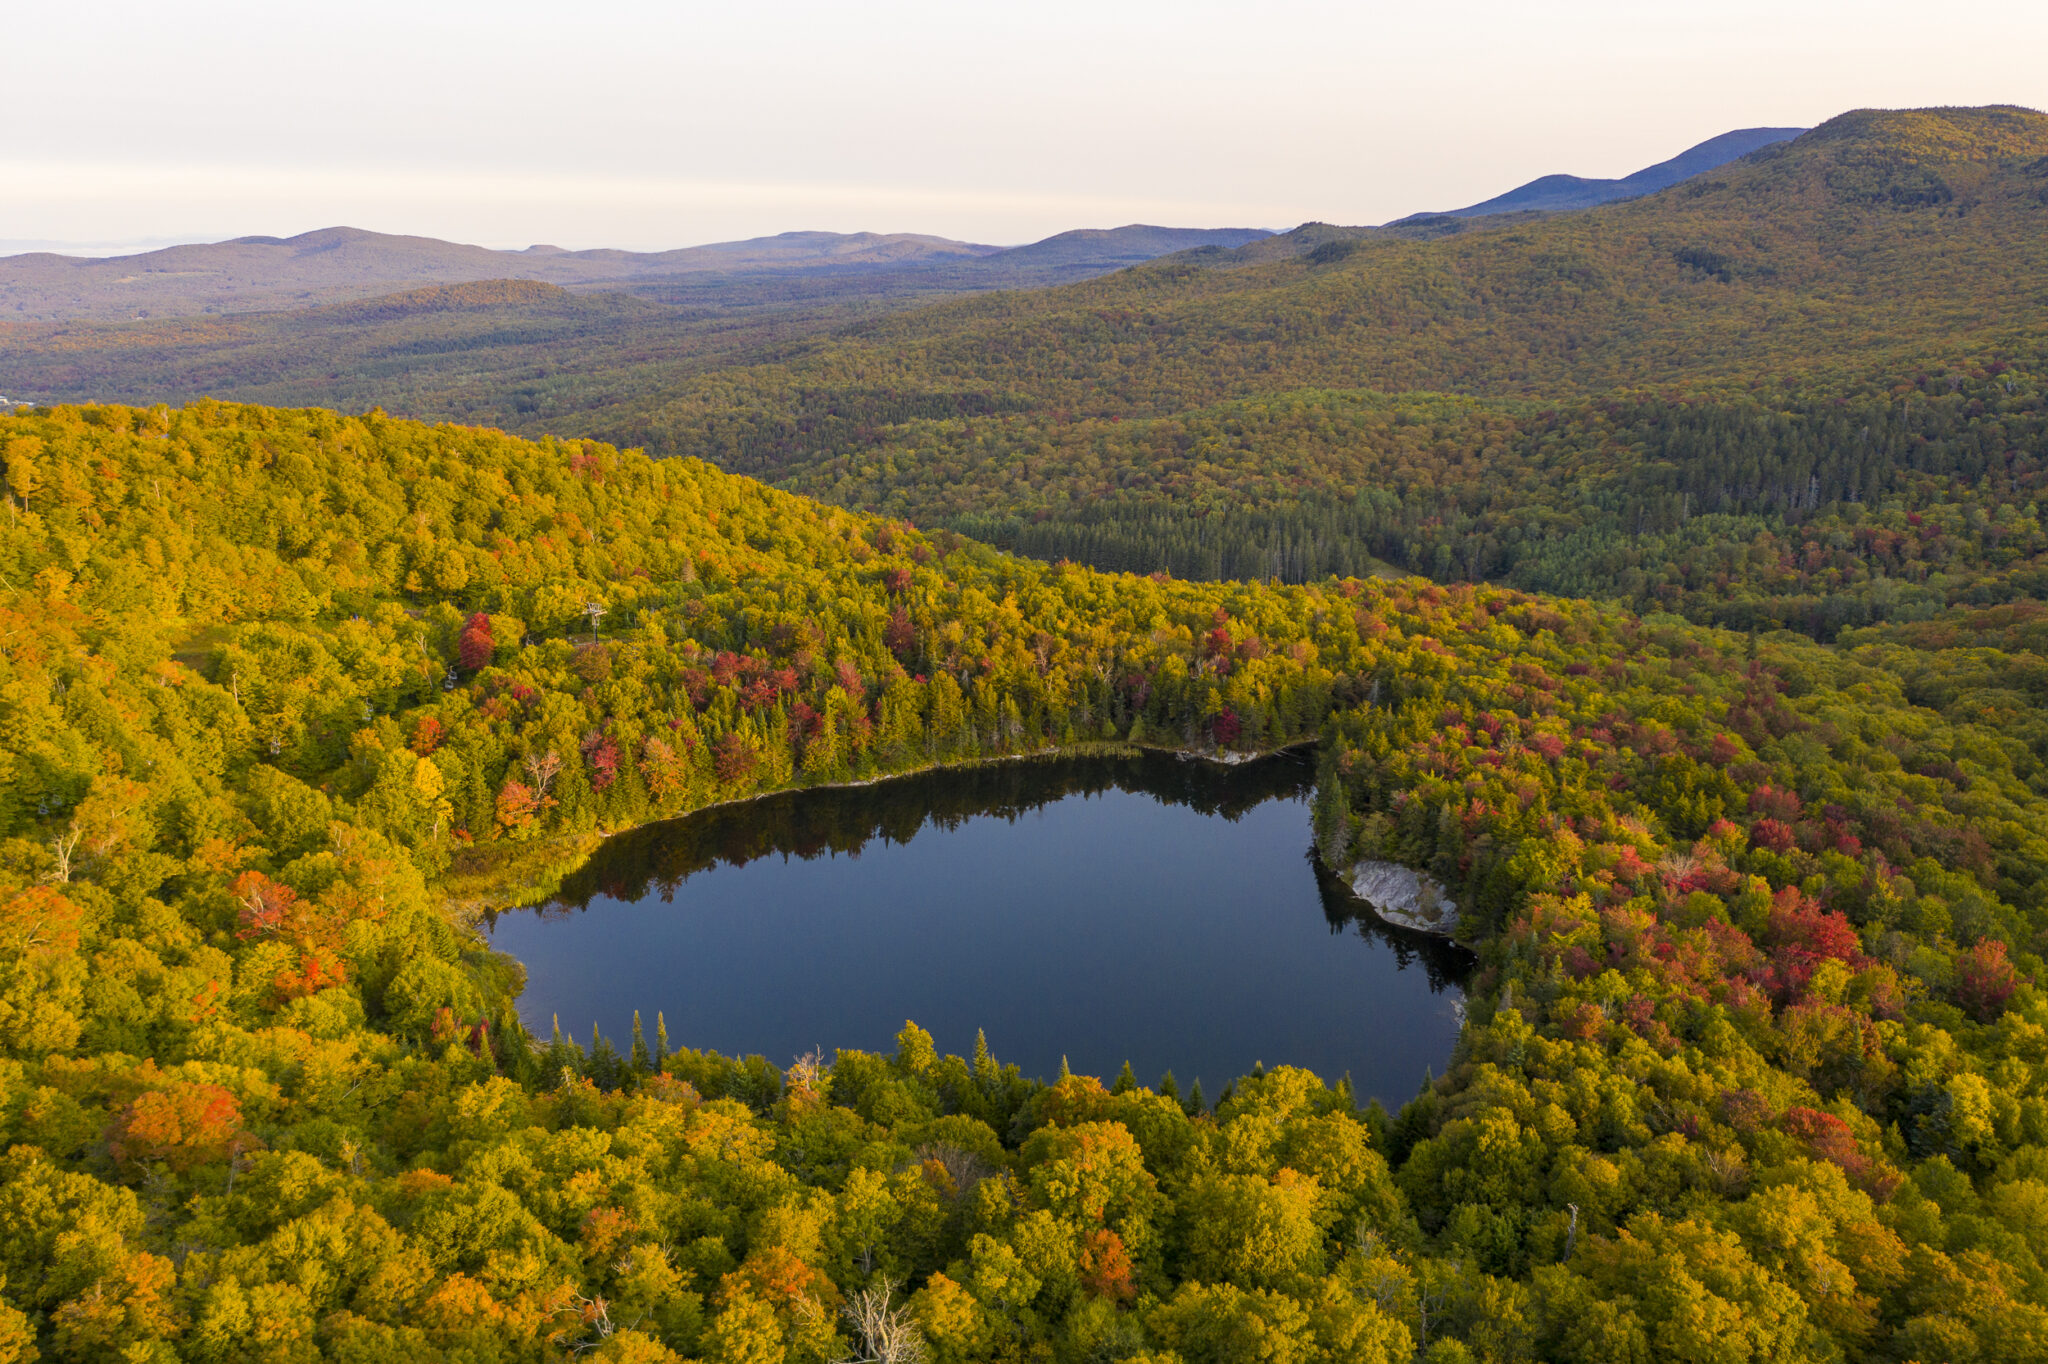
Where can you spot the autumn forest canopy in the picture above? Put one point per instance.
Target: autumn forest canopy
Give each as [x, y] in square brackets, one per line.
[1667, 581]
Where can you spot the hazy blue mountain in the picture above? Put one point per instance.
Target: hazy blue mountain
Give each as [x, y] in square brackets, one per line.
[1551, 193]
[339, 264]
[342, 264]
[1123, 245]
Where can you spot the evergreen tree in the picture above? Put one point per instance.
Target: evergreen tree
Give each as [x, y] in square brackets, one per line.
[1332, 818]
[1376, 1122]
[637, 1058]
[606, 1067]
[512, 1045]
[563, 1056]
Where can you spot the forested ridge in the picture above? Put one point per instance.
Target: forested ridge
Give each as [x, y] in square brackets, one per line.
[1754, 1064]
[1798, 393]
[1879, 244]
[1812, 513]
[1724, 400]
[502, 352]
[1880, 239]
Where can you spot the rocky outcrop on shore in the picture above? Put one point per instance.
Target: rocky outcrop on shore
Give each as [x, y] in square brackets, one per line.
[1404, 897]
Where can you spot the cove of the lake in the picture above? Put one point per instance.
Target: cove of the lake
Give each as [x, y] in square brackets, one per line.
[1162, 911]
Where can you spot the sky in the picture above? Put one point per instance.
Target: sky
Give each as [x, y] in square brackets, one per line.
[648, 124]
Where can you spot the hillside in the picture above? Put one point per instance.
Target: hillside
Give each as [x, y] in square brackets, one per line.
[1751, 1068]
[1881, 242]
[1789, 355]
[1712, 400]
[1201, 413]
[1808, 512]
[495, 352]
[520, 352]
[1876, 236]
[1558, 193]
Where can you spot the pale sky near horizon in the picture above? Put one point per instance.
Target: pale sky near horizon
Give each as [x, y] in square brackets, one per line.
[646, 125]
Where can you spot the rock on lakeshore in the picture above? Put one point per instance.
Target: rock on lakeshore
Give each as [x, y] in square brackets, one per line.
[1405, 897]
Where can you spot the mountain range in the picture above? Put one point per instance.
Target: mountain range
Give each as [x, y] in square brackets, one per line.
[1880, 236]
[339, 264]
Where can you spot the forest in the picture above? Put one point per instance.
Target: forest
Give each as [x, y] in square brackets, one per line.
[1723, 401]
[1754, 1066]
[1665, 580]
[1812, 514]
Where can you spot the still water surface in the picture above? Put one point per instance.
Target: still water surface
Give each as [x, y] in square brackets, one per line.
[1161, 911]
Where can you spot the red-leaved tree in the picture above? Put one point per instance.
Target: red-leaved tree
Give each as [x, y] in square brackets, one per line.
[475, 646]
[732, 758]
[601, 755]
[264, 905]
[1984, 980]
[899, 635]
[1225, 726]
[1801, 936]
[427, 735]
[1773, 834]
[1106, 1269]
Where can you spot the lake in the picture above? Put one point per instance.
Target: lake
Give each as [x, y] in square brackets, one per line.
[1152, 909]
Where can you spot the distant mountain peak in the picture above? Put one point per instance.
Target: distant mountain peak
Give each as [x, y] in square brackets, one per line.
[1130, 243]
[324, 238]
[1553, 193]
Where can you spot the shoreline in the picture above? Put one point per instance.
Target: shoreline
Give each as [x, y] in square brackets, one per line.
[470, 908]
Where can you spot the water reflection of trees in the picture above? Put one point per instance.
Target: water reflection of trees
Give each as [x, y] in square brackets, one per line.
[1446, 964]
[658, 858]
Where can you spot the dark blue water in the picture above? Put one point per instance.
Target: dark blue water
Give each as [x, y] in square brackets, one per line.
[1152, 910]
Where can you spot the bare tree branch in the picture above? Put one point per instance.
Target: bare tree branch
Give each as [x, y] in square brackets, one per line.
[64, 845]
[541, 768]
[883, 1334]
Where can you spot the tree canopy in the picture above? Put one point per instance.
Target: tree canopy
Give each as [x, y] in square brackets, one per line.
[1752, 1068]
